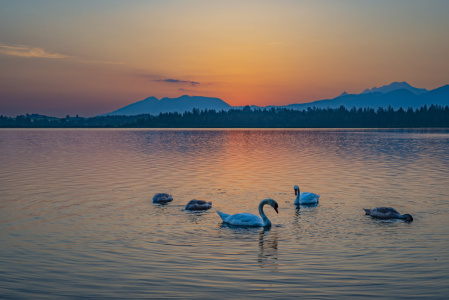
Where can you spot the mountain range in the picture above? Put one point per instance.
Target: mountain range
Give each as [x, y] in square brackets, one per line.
[396, 95]
[396, 98]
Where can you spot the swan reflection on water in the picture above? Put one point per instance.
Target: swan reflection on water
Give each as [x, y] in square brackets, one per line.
[301, 215]
[267, 241]
[303, 208]
[268, 249]
[306, 207]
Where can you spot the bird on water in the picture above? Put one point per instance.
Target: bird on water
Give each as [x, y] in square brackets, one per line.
[386, 213]
[247, 219]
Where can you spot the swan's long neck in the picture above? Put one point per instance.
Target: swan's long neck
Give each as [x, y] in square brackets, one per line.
[266, 221]
[298, 197]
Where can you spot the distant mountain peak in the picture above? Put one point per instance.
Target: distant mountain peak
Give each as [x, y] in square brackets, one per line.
[151, 99]
[395, 86]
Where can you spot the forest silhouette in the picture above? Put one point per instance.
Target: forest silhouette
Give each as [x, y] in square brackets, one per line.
[433, 116]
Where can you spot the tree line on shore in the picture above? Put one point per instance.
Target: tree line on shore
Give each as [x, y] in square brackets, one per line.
[433, 116]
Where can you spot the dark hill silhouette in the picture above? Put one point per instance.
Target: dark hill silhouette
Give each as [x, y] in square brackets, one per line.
[181, 104]
[438, 96]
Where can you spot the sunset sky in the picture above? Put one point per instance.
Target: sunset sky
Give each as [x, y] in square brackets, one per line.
[94, 56]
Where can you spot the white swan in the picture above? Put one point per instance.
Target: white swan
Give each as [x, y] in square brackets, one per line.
[162, 198]
[198, 205]
[305, 198]
[387, 213]
[246, 219]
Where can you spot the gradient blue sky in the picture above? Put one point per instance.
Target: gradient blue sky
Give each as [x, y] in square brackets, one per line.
[92, 57]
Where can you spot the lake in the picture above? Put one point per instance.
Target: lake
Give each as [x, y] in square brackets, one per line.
[77, 218]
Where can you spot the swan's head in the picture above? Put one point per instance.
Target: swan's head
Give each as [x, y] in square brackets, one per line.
[296, 190]
[273, 204]
[407, 217]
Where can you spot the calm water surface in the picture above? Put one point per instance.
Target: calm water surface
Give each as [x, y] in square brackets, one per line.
[77, 218]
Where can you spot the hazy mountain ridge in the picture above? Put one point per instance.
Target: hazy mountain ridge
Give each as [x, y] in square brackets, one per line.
[404, 98]
[396, 95]
[395, 86]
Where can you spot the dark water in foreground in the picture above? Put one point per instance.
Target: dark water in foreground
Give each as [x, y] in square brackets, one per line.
[77, 219]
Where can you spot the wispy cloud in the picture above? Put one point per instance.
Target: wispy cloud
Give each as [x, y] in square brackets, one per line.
[37, 52]
[170, 80]
[29, 51]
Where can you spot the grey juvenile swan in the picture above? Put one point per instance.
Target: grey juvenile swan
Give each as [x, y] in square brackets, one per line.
[198, 205]
[387, 213]
[162, 198]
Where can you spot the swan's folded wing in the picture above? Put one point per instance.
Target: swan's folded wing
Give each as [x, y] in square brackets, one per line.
[245, 219]
[306, 198]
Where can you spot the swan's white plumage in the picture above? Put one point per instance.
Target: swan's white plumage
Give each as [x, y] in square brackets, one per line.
[247, 219]
[242, 219]
[305, 197]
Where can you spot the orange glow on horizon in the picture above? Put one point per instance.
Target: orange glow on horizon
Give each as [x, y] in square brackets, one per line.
[246, 53]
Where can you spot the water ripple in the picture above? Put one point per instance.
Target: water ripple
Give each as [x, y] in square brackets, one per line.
[77, 218]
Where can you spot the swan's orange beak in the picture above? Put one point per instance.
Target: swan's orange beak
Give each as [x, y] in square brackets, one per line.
[276, 209]
[296, 192]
